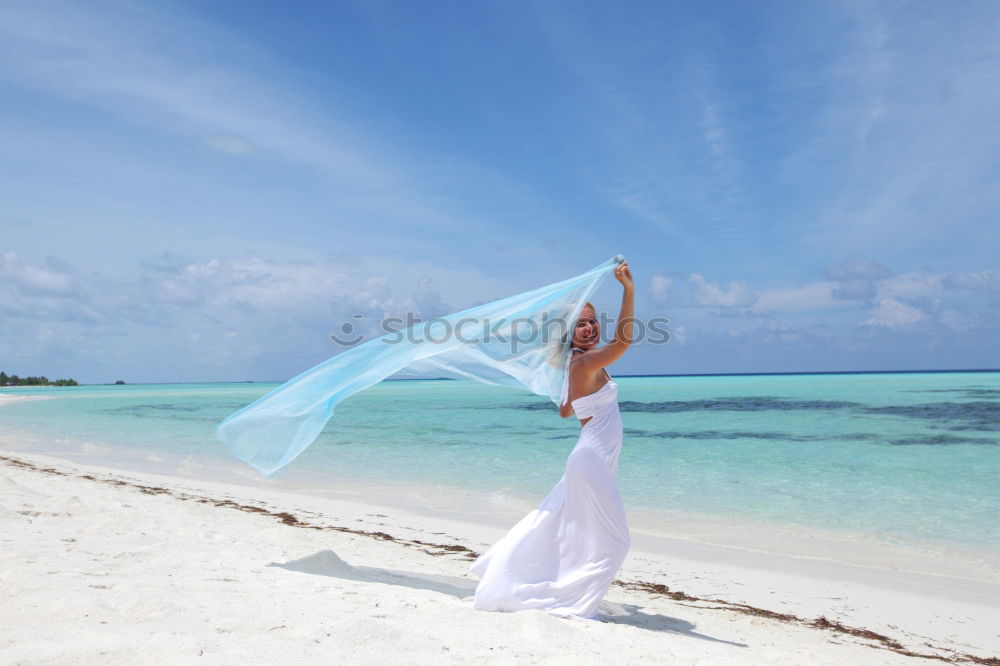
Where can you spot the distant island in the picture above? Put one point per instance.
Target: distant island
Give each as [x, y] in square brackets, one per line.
[14, 380]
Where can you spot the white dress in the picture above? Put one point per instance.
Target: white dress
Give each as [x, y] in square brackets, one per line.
[563, 556]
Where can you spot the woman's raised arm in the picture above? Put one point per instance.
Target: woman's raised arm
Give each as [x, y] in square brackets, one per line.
[596, 359]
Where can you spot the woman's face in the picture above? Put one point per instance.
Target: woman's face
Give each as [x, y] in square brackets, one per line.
[587, 332]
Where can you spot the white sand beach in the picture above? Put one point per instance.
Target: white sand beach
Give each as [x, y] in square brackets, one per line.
[6, 398]
[104, 566]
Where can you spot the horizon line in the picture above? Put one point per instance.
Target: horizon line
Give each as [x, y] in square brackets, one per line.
[693, 374]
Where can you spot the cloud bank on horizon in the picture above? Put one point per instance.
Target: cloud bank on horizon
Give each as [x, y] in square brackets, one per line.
[199, 192]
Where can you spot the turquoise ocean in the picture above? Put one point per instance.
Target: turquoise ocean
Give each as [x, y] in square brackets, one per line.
[902, 458]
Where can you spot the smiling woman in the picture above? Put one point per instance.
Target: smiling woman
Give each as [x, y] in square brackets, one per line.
[563, 556]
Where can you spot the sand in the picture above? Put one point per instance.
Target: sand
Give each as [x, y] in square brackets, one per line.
[7, 398]
[100, 566]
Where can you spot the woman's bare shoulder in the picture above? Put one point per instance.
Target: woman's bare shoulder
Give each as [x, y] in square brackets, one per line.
[593, 360]
[581, 362]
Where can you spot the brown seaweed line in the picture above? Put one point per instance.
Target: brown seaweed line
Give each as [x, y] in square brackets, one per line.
[657, 589]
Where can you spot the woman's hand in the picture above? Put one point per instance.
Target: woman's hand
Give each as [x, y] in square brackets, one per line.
[624, 275]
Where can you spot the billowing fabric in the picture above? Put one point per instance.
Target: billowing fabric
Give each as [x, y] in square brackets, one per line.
[519, 341]
[563, 556]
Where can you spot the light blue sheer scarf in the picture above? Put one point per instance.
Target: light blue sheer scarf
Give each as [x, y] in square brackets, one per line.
[520, 341]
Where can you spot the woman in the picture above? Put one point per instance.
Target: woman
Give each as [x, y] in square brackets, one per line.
[563, 556]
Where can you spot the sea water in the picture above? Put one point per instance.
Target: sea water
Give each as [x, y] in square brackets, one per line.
[904, 458]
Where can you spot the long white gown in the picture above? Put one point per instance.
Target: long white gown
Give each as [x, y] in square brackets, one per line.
[563, 556]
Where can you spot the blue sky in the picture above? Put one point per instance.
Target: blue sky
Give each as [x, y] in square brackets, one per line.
[204, 191]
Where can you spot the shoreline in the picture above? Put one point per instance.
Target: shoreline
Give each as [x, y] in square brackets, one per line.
[705, 537]
[7, 397]
[900, 612]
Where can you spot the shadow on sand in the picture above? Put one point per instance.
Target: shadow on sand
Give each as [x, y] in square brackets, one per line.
[328, 563]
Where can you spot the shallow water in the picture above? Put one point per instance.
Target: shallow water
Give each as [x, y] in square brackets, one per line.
[910, 457]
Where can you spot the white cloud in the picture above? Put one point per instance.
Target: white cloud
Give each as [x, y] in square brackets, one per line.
[891, 313]
[811, 297]
[52, 279]
[659, 287]
[855, 290]
[911, 286]
[710, 295]
[971, 281]
[251, 317]
[320, 295]
[261, 284]
[855, 278]
[216, 313]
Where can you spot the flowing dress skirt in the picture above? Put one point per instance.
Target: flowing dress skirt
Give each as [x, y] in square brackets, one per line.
[563, 556]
